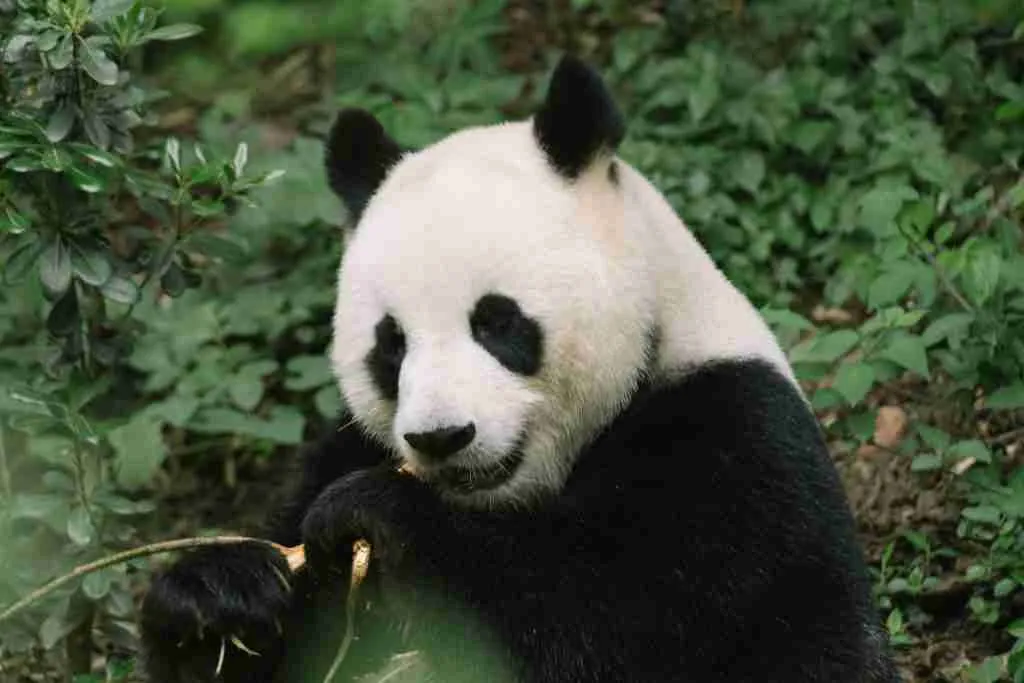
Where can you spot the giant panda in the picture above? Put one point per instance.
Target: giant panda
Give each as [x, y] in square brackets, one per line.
[616, 477]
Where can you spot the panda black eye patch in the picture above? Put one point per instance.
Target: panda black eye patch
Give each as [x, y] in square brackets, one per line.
[385, 359]
[500, 327]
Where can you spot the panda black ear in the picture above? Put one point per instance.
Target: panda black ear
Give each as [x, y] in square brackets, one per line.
[358, 155]
[579, 119]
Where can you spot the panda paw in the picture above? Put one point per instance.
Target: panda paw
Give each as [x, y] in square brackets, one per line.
[216, 615]
[387, 509]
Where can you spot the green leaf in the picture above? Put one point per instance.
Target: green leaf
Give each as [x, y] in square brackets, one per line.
[9, 147]
[241, 158]
[89, 263]
[53, 628]
[97, 130]
[16, 47]
[245, 390]
[64, 316]
[12, 222]
[908, 352]
[55, 267]
[61, 121]
[97, 64]
[1007, 398]
[894, 622]
[97, 584]
[173, 32]
[786, 319]
[749, 171]
[985, 514]
[95, 155]
[25, 163]
[173, 280]
[982, 275]
[176, 410]
[825, 348]
[80, 529]
[269, 177]
[120, 289]
[105, 10]
[86, 181]
[890, 287]
[934, 438]
[879, 207]
[226, 246]
[139, 449]
[172, 152]
[21, 261]
[853, 381]
[55, 159]
[927, 462]
[702, 97]
[37, 506]
[945, 327]
[1003, 588]
[61, 57]
[328, 401]
[284, 426]
[308, 372]
[972, 448]
[990, 670]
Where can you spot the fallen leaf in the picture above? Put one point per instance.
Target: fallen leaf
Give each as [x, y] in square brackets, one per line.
[890, 426]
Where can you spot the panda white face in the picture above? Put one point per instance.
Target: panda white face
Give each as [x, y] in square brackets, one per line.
[506, 289]
[491, 316]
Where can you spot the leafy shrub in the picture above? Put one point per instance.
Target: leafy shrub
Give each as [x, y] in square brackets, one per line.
[96, 219]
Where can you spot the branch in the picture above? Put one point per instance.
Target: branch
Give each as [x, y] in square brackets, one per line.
[944, 278]
[119, 558]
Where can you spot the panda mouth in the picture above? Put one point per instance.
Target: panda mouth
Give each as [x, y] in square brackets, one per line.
[472, 479]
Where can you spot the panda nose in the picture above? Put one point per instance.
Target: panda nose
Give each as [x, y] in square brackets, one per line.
[439, 444]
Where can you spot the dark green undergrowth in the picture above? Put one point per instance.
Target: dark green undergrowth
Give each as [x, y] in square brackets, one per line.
[168, 255]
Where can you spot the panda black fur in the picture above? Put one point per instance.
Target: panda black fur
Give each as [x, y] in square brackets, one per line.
[617, 477]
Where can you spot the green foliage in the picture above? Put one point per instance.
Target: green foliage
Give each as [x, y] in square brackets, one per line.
[95, 218]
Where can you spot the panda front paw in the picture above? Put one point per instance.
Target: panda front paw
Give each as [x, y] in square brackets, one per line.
[216, 615]
[391, 511]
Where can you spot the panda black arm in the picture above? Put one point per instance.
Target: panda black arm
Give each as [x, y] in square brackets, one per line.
[213, 594]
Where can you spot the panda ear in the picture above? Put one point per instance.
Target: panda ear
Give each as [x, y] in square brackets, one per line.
[579, 119]
[358, 155]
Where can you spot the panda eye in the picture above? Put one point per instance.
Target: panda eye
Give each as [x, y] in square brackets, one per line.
[385, 359]
[500, 327]
[390, 339]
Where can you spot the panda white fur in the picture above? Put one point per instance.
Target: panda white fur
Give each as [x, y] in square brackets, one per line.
[617, 478]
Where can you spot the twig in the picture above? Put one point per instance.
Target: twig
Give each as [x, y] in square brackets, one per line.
[947, 283]
[1007, 437]
[360, 566]
[83, 498]
[1001, 206]
[119, 558]
[5, 472]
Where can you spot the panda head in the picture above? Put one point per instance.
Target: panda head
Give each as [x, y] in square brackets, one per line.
[497, 305]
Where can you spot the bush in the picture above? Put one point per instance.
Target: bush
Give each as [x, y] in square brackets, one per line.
[96, 219]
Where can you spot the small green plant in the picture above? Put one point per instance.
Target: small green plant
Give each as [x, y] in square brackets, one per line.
[96, 218]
